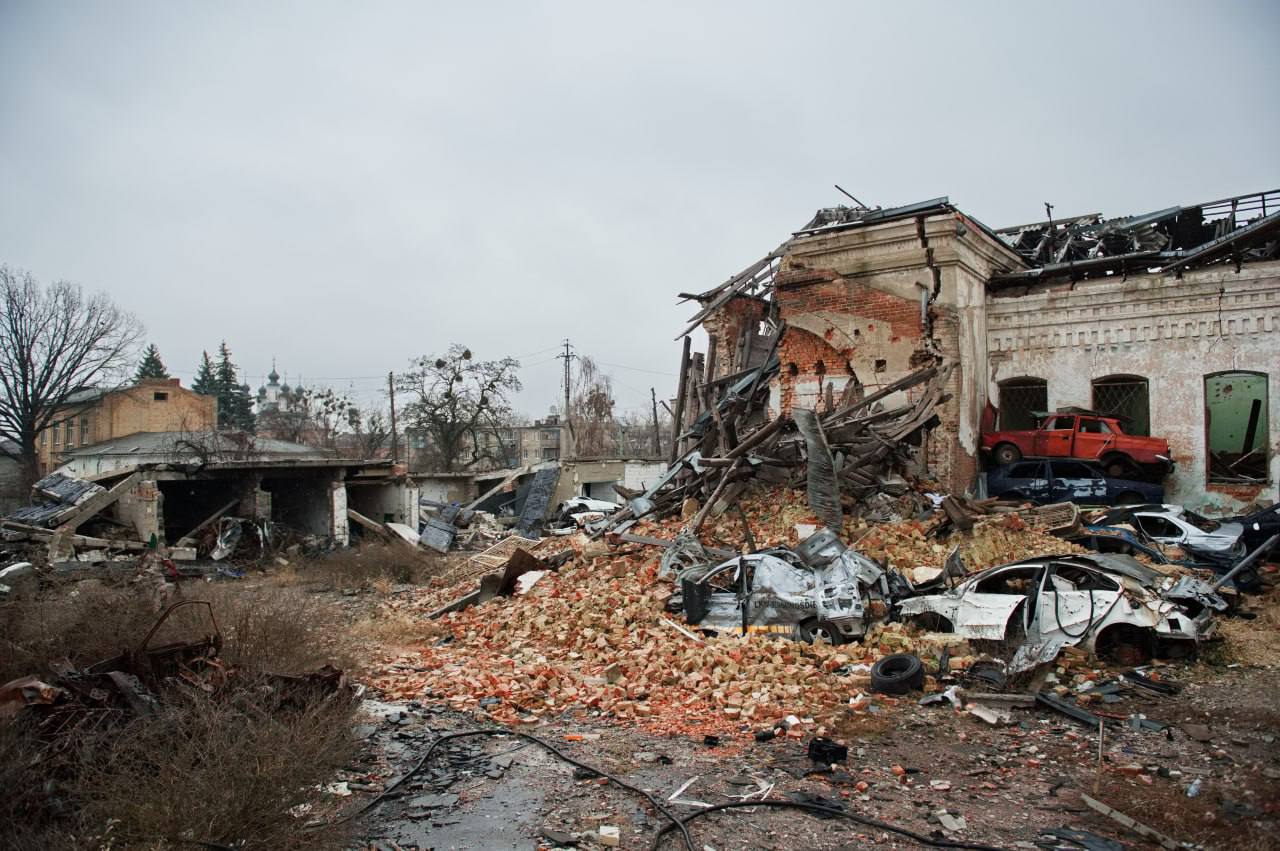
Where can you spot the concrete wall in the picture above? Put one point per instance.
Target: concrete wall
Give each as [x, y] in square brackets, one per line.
[880, 302]
[1171, 331]
[448, 489]
[395, 500]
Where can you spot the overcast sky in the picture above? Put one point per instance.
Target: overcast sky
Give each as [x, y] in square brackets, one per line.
[342, 186]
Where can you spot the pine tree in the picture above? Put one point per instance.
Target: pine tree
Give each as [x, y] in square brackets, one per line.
[206, 382]
[235, 405]
[151, 365]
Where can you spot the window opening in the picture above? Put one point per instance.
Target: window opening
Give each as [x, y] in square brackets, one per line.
[1126, 398]
[1236, 427]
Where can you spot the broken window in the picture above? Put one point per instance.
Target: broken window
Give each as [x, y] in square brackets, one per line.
[1125, 398]
[160, 396]
[1069, 577]
[1021, 400]
[1236, 427]
[1157, 527]
[1015, 580]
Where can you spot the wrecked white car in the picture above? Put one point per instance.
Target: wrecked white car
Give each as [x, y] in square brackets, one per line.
[1097, 602]
[820, 591]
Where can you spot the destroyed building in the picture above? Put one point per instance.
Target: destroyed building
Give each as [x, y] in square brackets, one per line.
[1169, 319]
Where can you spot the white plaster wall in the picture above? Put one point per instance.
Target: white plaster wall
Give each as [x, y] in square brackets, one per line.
[639, 475]
[1172, 331]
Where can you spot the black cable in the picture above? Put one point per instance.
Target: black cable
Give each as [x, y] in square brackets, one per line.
[1058, 617]
[676, 823]
[828, 811]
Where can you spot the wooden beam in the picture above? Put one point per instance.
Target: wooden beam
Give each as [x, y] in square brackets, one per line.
[98, 502]
[188, 539]
[372, 525]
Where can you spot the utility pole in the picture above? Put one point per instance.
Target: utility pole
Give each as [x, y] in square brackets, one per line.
[657, 435]
[395, 441]
[567, 451]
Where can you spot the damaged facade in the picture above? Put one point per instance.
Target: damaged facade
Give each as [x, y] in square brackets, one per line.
[1171, 319]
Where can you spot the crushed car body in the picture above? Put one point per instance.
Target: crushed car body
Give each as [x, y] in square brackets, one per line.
[821, 590]
[1049, 602]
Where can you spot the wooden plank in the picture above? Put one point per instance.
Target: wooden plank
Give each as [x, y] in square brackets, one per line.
[373, 526]
[498, 487]
[98, 502]
[189, 538]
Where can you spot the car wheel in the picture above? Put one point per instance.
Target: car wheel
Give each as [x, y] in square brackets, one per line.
[814, 631]
[1007, 453]
[897, 674]
[1118, 467]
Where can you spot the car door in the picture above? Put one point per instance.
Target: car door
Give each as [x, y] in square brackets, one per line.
[985, 606]
[1162, 530]
[1072, 481]
[1053, 440]
[1093, 437]
[1028, 479]
[1072, 599]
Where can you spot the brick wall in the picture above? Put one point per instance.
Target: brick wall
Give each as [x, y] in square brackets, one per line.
[739, 315]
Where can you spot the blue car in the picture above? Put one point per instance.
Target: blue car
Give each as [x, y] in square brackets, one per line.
[1047, 481]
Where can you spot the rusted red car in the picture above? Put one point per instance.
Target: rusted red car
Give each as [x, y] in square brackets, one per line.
[1086, 436]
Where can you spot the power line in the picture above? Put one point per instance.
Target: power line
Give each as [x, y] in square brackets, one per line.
[637, 369]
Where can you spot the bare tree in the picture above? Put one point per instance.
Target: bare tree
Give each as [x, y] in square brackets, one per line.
[455, 399]
[54, 341]
[595, 433]
[311, 415]
[371, 431]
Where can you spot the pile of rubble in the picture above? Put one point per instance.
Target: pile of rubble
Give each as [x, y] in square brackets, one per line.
[852, 452]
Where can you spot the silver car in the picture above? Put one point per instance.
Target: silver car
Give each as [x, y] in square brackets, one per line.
[1178, 526]
[820, 591]
[1043, 604]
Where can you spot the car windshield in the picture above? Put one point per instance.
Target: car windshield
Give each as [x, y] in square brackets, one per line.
[1204, 524]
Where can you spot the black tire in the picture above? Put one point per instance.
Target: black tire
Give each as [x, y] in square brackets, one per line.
[897, 674]
[1007, 453]
[824, 630]
[1119, 467]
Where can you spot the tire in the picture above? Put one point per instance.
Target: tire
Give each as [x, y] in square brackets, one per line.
[897, 674]
[1007, 453]
[1128, 498]
[1119, 466]
[812, 631]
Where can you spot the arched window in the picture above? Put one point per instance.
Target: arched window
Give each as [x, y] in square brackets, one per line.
[1124, 397]
[1021, 401]
[1235, 426]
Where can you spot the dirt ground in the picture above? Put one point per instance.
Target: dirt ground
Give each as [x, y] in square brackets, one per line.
[931, 770]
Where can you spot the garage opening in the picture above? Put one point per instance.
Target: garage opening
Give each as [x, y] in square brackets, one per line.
[301, 503]
[187, 504]
[1021, 401]
[1124, 397]
[1236, 427]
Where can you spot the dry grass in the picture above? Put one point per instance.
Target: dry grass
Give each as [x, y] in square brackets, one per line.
[224, 767]
[80, 623]
[372, 566]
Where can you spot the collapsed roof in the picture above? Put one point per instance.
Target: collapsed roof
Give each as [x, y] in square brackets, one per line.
[1240, 229]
